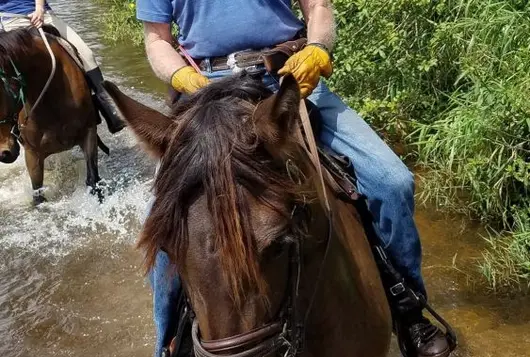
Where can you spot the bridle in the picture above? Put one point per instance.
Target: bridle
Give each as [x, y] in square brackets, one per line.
[14, 87]
[286, 335]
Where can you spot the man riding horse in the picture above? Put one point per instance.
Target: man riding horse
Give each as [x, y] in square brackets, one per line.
[218, 38]
[39, 13]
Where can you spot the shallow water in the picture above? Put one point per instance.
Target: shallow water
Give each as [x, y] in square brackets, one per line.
[71, 281]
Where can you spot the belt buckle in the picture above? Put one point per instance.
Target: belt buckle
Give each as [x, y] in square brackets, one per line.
[231, 62]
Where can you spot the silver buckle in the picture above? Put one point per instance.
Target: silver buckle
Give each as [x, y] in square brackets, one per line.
[397, 289]
[232, 63]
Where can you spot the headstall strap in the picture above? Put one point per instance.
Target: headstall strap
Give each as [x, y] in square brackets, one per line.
[14, 87]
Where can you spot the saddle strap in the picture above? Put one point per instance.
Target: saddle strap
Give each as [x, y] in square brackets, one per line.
[337, 176]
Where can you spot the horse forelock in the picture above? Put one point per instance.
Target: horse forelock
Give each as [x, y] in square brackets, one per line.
[215, 151]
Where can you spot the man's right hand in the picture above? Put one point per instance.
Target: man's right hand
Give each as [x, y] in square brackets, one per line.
[37, 16]
[187, 80]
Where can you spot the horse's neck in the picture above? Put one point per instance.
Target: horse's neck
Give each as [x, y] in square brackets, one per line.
[350, 316]
[35, 70]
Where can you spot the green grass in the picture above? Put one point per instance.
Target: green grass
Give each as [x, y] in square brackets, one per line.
[506, 264]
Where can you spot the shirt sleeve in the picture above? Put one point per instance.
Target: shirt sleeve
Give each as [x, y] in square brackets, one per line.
[159, 11]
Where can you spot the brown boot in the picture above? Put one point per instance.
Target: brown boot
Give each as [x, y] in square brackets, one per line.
[428, 340]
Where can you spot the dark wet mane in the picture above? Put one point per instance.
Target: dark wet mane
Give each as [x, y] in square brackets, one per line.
[15, 45]
[216, 151]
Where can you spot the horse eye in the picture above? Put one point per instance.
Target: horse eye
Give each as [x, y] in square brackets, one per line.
[275, 249]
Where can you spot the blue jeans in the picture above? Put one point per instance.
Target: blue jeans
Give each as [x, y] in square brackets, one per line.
[382, 177]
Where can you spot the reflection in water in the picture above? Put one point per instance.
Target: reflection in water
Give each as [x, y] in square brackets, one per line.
[71, 282]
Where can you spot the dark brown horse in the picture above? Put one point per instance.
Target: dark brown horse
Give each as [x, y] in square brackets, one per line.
[65, 117]
[237, 211]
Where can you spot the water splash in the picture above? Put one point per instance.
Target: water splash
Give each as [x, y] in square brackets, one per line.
[73, 218]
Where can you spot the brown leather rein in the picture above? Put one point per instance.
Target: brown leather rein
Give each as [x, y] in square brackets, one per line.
[288, 332]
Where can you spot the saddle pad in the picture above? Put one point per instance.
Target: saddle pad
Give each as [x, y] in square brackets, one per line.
[70, 49]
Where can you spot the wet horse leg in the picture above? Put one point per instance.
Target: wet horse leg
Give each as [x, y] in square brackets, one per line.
[90, 149]
[35, 166]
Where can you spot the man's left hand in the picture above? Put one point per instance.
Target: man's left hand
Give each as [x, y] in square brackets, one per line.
[307, 66]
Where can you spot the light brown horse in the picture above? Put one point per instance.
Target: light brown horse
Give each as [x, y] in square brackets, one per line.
[65, 117]
[237, 211]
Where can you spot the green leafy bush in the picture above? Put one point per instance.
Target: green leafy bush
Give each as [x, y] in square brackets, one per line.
[452, 78]
[120, 22]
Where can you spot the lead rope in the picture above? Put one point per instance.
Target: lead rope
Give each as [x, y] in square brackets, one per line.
[189, 59]
[53, 60]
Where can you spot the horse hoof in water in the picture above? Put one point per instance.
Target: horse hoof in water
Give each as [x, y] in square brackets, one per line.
[38, 199]
[98, 190]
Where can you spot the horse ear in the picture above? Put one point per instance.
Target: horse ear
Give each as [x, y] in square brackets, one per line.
[277, 116]
[150, 126]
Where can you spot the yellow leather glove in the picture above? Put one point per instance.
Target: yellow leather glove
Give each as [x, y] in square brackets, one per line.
[187, 80]
[307, 66]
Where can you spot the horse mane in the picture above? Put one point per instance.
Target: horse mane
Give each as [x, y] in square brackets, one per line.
[15, 45]
[215, 150]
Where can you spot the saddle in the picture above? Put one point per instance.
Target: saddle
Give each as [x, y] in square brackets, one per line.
[67, 46]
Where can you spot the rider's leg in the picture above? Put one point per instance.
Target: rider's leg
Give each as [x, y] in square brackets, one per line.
[389, 187]
[85, 53]
[382, 177]
[166, 288]
[93, 73]
[165, 285]
[8, 24]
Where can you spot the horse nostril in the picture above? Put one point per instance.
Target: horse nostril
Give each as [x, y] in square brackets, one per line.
[5, 155]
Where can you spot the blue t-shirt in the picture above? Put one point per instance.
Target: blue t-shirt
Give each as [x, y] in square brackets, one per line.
[20, 7]
[209, 28]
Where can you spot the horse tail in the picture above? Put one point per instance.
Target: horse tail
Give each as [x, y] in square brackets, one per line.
[103, 147]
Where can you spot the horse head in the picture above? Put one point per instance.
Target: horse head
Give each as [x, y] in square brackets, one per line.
[237, 211]
[14, 46]
[9, 146]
